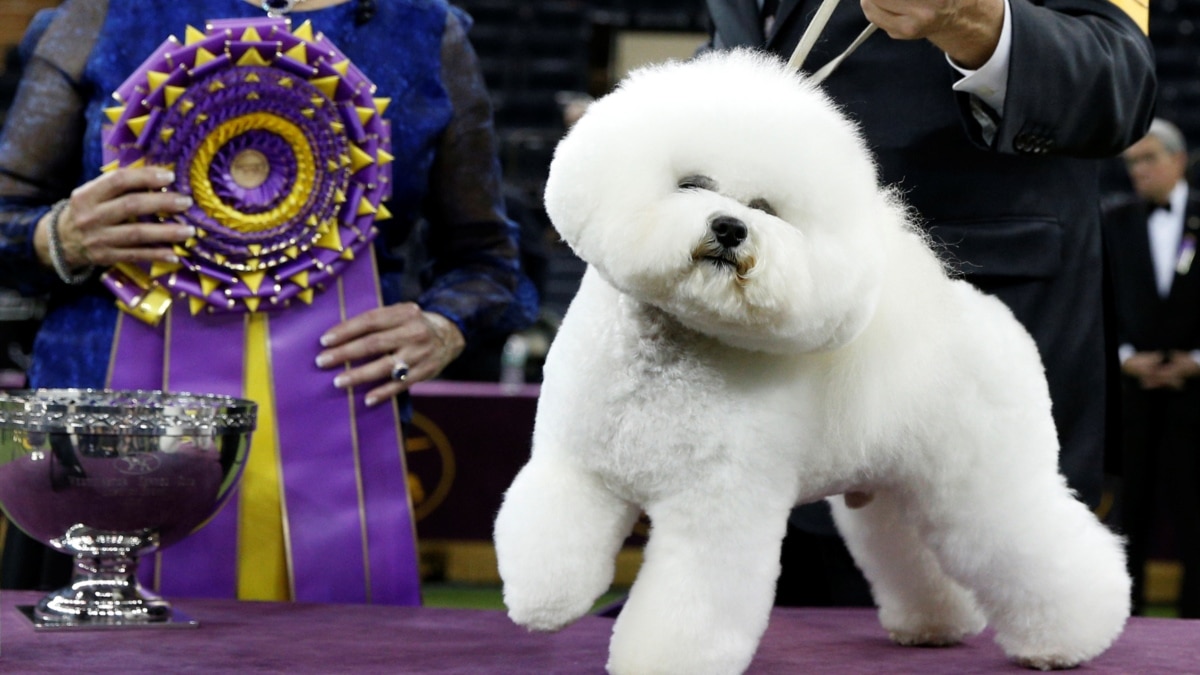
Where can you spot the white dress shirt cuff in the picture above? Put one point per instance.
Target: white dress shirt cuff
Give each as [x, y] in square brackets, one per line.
[1124, 352]
[990, 82]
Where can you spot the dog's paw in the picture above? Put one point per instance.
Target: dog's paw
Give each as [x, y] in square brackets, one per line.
[539, 622]
[942, 624]
[930, 636]
[1047, 662]
[545, 614]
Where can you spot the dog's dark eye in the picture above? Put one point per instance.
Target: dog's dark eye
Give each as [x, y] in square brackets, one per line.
[762, 205]
[697, 182]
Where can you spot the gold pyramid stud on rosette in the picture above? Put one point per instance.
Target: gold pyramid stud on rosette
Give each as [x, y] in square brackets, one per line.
[281, 143]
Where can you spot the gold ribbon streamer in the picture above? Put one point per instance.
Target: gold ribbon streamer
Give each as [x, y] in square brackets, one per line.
[262, 550]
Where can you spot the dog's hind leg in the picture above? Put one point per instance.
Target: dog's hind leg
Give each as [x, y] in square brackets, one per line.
[557, 536]
[919, 604]
[1049, 576]
[704, 592]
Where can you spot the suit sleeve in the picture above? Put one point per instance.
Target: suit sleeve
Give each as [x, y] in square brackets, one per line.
[1081, 81]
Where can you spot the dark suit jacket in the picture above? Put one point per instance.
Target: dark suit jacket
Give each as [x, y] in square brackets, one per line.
[1020, 217]
[1145, 320]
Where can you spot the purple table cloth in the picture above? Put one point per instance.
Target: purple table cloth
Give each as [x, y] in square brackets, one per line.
[260, 637]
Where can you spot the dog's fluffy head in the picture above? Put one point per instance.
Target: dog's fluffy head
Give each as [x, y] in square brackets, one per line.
[731, 193]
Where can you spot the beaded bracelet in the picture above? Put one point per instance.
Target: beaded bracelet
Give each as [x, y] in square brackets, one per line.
[58, 259]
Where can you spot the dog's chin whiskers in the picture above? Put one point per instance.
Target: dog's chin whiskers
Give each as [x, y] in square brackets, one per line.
[708, 249]
[721, 261]
[713, 253]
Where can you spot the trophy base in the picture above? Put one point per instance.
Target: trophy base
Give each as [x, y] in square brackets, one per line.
[104, 592]
[175, 619]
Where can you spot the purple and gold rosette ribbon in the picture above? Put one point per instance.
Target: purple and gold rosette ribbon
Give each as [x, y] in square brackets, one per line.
[282, 144]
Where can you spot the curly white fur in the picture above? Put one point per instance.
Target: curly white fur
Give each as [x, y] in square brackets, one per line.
[715, 376]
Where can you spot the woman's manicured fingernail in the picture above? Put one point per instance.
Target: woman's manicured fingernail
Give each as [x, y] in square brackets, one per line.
[323, 360]
[341, 381]
[326, 339]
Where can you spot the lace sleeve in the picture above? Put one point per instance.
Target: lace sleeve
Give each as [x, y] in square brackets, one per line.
[476, 276]
[41, 144]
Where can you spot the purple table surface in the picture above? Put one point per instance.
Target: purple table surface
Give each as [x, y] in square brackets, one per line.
[263, 637]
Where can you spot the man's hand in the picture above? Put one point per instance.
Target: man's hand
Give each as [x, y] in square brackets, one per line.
[966, 30]
[1152, 372]
[1178, 369]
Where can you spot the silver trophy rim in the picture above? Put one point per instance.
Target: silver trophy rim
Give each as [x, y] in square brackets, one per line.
[124, 412]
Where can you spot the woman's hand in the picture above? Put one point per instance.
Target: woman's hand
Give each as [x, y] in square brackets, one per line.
[394, 346]
[99, 225]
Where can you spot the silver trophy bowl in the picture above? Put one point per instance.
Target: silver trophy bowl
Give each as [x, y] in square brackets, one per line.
[108, 476]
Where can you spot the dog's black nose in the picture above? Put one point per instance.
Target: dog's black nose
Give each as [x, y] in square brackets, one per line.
[728, 230]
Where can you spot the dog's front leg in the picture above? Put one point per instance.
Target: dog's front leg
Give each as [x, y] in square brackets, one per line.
[704, 592]
[557, 536]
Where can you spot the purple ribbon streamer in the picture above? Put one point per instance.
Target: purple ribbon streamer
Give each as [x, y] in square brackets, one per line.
[319, 474]
[137, 356]
[321, 481]
[205, 354]
[391, 529]
[204, 357]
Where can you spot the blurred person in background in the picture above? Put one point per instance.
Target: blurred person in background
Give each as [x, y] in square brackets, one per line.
[1151, 244]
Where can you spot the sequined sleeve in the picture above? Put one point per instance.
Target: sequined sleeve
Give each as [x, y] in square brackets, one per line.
[476, 279]
[41, 144]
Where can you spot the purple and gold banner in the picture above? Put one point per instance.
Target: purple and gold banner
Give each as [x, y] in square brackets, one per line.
[282, 145]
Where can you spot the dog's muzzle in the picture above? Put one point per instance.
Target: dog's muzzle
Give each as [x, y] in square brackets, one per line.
[720, 247]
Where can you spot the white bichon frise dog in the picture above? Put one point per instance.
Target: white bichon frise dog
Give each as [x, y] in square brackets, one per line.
[760, 325]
